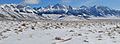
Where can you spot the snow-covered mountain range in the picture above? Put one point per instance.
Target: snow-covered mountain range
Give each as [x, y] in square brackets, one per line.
[17, 12]
[55, 12]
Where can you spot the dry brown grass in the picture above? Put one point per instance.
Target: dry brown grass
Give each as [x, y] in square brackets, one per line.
[33, 28]
[86, 41]
[23, 24]
[58, 38]
[67, 39]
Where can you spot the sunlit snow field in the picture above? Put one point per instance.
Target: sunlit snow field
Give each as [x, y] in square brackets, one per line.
[59, 32]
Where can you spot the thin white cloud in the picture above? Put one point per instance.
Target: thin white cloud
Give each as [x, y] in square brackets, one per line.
[66, 1]
[31, 1]
[89, 2]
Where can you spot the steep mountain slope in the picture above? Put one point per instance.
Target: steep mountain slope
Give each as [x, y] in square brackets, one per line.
[16, 11]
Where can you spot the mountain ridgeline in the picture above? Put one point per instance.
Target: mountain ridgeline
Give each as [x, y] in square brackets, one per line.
[56, 12]
[100, 11]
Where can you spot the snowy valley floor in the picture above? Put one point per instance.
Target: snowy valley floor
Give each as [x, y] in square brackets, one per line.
[59, 32]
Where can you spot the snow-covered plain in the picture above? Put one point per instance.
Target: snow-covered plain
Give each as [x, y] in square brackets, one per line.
[59, 32]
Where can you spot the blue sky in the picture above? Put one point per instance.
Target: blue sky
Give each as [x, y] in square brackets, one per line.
[75, 3]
